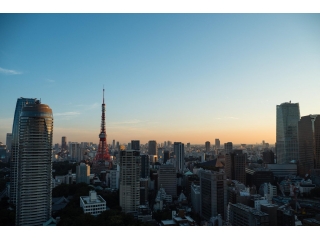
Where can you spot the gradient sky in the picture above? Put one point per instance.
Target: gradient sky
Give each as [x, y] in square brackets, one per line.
[179, 77]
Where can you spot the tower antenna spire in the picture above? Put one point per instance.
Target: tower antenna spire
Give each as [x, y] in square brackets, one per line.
[103, 94]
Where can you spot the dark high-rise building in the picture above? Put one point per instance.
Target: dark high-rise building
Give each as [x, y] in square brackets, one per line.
[34, 168]
[113, 144]
[228, 147]
[166, 156]
[145, 166]
[235, 163]
[135, 145]
[268, 157]
[188, 145]
[288, 116]
[213, 194]
[3, 152]
[21, 102]
[309, 144]
[179, 156]
[8, 143]
[207, 145]
[217, 143]
[129, 192]
[152, 147]
[258, 176]
[64, 143]
[167, 179]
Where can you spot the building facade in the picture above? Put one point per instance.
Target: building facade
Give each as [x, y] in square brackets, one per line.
[21, 102]
[83, 173]
[288, 116]
[309, 144]
[129, 180]
[179, 156]
[152, 147]
[235, 163]
[213, 198]
[34, 168]
[228, 147]
[207, 146]
[135, 145]
[93, 204]
[167, 179]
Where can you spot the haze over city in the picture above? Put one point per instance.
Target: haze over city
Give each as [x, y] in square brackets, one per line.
[178, 77]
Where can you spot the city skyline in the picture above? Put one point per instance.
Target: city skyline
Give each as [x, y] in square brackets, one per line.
[178, 77]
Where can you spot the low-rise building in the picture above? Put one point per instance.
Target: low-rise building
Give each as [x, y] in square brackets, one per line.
[93, 204]
[242, 215]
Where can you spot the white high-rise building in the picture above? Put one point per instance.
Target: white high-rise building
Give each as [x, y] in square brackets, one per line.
[129, 180]
[34, 165]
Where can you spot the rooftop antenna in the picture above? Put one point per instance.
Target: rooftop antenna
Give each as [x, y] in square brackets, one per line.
[103, 93]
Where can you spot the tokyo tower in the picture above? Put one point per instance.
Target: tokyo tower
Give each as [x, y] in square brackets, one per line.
[102, 158]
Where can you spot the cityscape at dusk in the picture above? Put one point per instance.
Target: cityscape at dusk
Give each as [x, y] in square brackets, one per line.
[113, 119]
[178, 77]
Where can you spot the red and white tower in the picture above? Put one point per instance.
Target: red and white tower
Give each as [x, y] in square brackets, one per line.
[102, 159]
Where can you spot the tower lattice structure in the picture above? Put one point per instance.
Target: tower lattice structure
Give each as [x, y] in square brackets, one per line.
[102, 159]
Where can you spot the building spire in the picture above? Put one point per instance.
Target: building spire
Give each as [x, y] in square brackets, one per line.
[103, 94]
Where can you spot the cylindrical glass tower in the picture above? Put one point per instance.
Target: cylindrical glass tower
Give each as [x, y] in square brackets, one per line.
[34, 198]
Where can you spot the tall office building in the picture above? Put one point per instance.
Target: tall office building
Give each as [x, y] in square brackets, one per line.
[152, 147]
[75, 151]
[129, 180]
[34, 168]
[64, 143]
[166, 156]
[309, 144]
[8, 143]
[228, 147]
[207, 145]
[167, 179]
[288, 116]
[113, 144]
[235, 164]
[217, 143]
[145, 166]
[135, 145]
[21, 102]
[178, 148]
[213, 194]
[83, 173]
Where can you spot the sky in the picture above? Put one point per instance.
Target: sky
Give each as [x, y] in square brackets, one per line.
[178, 77]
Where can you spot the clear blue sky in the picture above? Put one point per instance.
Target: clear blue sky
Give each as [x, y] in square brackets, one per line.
[178, 77]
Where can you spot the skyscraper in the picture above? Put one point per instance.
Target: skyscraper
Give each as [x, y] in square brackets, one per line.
[83, 173]
[178, 148]
[235, 164]
[228, 147]
[8, 143]
[129, 180]
[64, 143]
[309, 144]
[207, 145]
[152, 147]
[167, 179]
[217, 143]
[135, 145]
[213, 198]
[145, 166]
[288, 116]
[34, 168]
[21, 102]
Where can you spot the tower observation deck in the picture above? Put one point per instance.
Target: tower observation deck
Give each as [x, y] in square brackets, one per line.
[102, 159]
